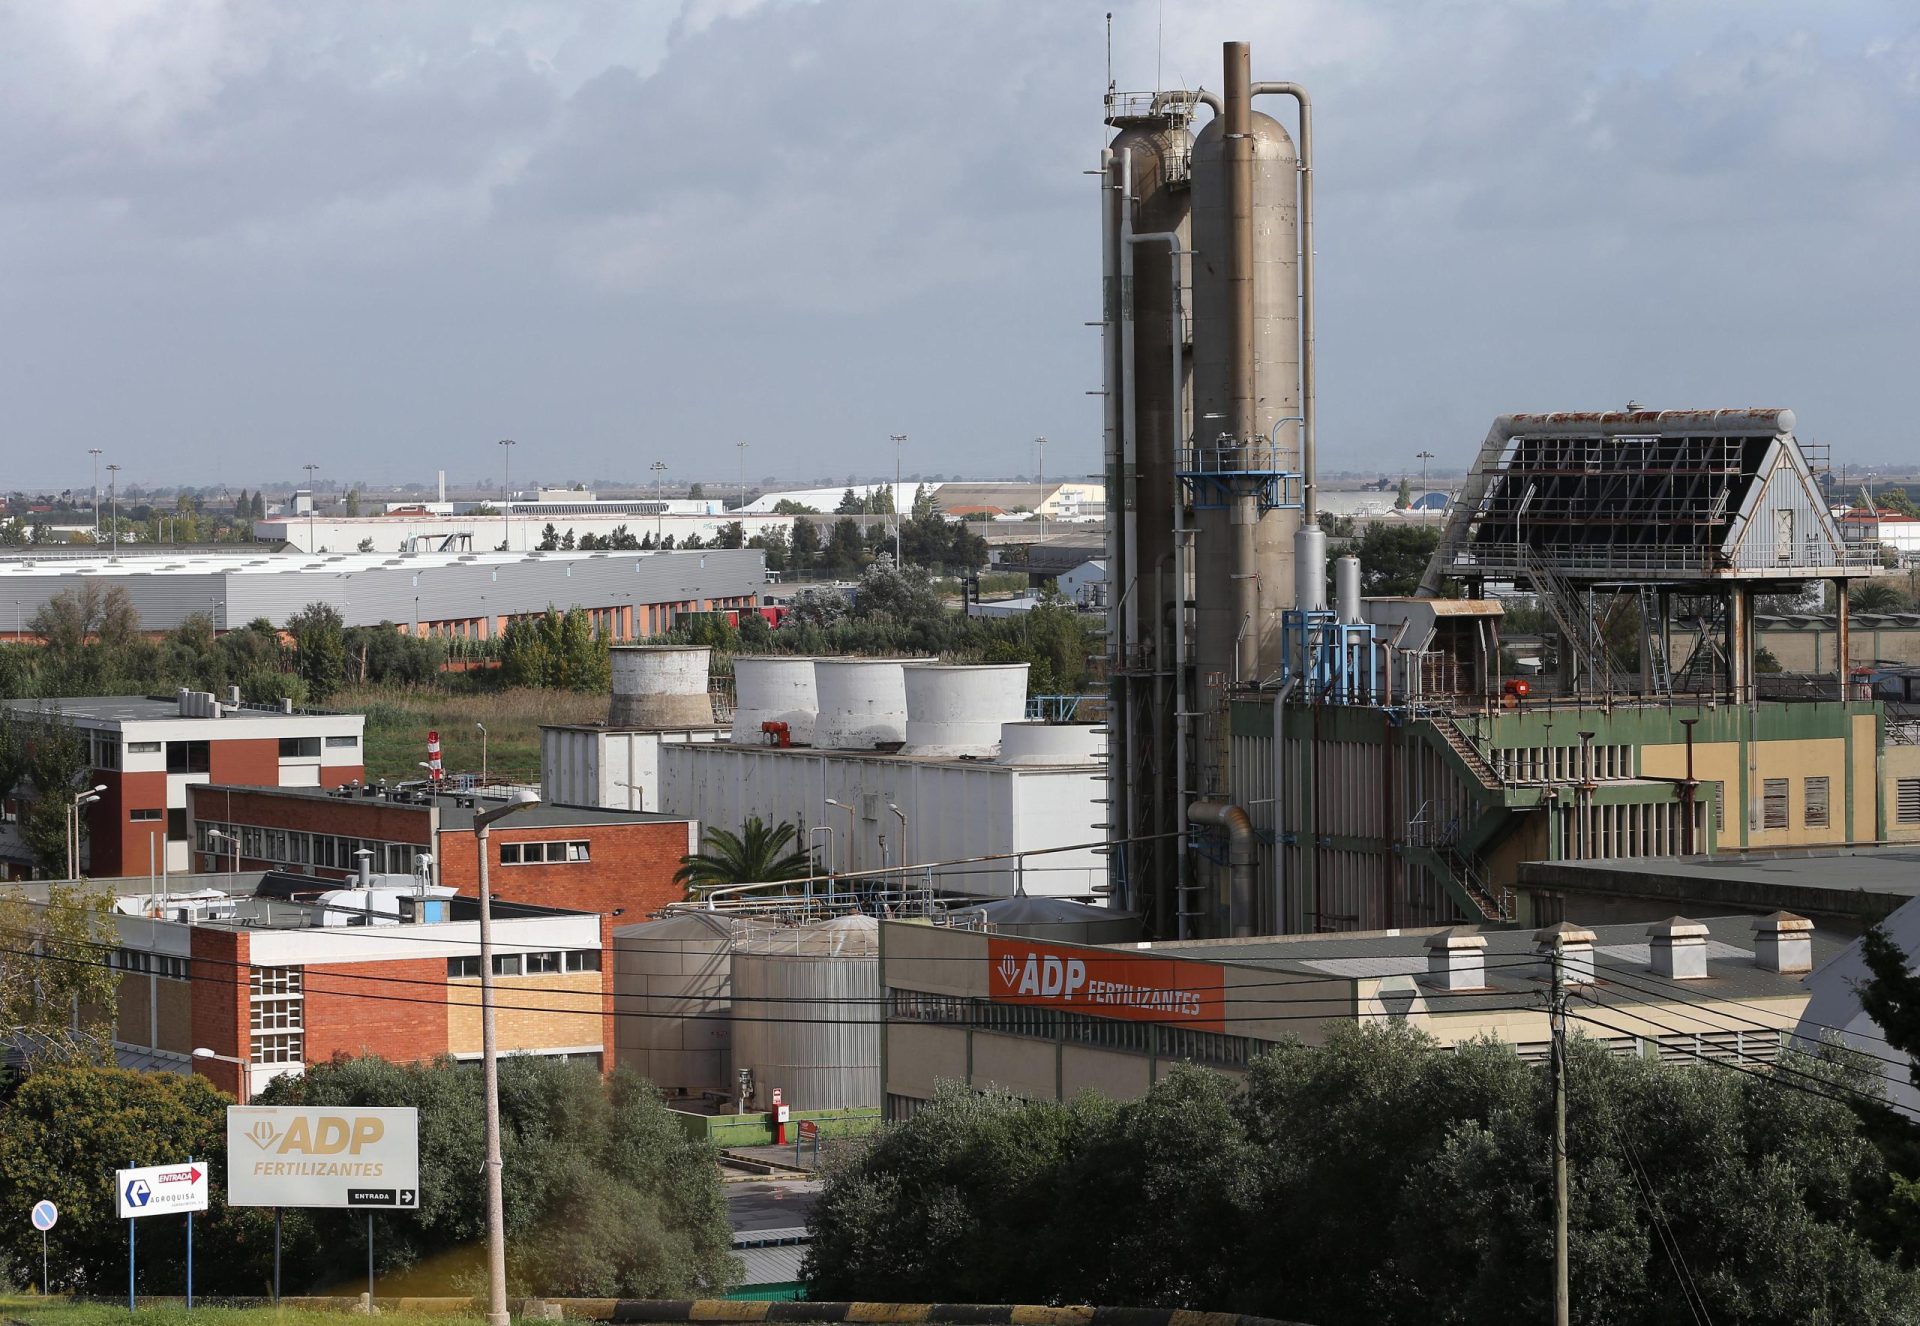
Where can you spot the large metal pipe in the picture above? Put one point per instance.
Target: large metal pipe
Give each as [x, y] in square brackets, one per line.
[1239, 827]
[1129, 404]
[1238, 149]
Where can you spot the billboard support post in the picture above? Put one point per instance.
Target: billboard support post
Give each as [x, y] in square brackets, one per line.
[132, 1225]
[276, 1256]
[189, 1254]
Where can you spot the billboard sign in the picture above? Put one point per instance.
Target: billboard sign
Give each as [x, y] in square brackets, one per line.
[158, 1190]
[1101, 983]
[296, 1155]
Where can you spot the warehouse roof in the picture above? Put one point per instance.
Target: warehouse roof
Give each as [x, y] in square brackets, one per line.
[1865, 883]
[93, 709]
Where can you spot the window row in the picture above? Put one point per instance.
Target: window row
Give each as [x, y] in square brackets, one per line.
[1185, 1043]
[534, 854]
[157, 964]
[300, 848]
[1775, 812]
[527, 964]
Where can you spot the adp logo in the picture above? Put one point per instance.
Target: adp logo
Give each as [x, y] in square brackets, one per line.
[1041, 974]
[328, 1135]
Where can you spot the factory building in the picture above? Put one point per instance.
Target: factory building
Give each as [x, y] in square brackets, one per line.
[1047, 1019]
[149, 752]
[458, 595]
[273, 972]
[887, 765]
[578, 858]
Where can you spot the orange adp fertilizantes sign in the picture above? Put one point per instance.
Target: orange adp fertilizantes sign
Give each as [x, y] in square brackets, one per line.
[1103, 983]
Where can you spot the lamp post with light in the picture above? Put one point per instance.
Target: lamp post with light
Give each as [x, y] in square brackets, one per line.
[507, 445]
[483, 821]
[86, 798]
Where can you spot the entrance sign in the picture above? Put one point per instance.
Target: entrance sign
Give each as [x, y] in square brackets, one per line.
[350, 1156]
[157, 1190]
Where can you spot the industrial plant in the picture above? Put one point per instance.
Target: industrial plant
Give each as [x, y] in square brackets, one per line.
[1281, 762]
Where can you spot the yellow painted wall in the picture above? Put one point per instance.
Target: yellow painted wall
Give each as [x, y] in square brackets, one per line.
[1796, 761]
[530, 1012]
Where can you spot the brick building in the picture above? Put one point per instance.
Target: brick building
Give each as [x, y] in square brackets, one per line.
[280, 971]
[580, 858]
[147, 751]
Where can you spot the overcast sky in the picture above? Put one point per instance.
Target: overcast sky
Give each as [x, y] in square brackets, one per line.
[238, 236]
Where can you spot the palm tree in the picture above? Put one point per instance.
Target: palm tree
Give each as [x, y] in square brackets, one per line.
[1876, 596]
[759, 853]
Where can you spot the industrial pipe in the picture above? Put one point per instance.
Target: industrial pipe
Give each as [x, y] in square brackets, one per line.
[1245, 513]
[1310, 501]
[1239, 827]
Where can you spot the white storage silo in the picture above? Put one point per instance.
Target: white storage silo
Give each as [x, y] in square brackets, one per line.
[1051, 743]
[955, 710]
[673, 998]
[660, 686]
[863, 702]
[769, 689]
[807, 1012]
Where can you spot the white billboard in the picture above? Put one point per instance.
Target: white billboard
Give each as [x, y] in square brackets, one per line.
[158, 1190]
[297, 1155]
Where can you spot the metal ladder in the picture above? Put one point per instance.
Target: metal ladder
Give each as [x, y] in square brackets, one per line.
[1562, 602]
[1659, 680]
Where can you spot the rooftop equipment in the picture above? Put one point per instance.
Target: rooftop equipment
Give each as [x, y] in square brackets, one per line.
[960, 710]
[660, 686]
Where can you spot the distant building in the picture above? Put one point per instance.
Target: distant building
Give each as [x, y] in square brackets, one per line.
[1085, 586]
[581, 858]
[451, 592]
[148, 752]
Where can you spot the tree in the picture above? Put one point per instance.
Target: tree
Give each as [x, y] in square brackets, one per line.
[851, 503]
[320, 650]
[1875, 596]
[1394, 557]
[1404, 498]
[924, 508]
[365, 545]
[696, 492]
[57, 998]
[805, 546]
[555, 650]
[1407, 1185]
[353, 503]
[44, 761]
[845, 547]
[759, 853]
[733, 534]
[890, 593]
[549, 539]
[786, 506]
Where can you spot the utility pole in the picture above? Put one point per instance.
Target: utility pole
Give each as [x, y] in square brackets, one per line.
[899, 440]
[313, 499]
[507, 445]
[113, 490]
[1040, 506]
[95, 453]
[741, 447]
[1558, 1020]
[1423, 457]
[659, 467]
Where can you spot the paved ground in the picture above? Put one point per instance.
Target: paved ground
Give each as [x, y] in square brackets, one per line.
[779, 1204]
[783, 1156]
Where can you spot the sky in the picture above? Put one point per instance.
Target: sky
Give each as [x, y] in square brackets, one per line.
[242, 236]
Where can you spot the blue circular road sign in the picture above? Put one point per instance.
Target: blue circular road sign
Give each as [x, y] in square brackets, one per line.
[44, 1214]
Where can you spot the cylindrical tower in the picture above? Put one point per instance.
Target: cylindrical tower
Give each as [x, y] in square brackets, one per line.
[1346, 588]
[1274, 336]
[660, 686]
[769, 688]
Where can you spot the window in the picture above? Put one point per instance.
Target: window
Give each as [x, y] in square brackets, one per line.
[277, 1014]
[543, 962]
[1816, 805]
[458, 968]
[506, 964]
[343, 743]
[1906, 808]
[1719, 803]
[1773, 807]
[583, 959]
[533, 854]
[141, 815]
[299, 748]
[280, 1047]
[143, 748]
[103, 748]
[188, 757]
[177, 826]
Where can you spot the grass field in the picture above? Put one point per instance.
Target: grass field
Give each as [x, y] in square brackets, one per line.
[59, 1312]
[399, 718]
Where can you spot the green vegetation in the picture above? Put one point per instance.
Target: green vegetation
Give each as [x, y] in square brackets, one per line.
[605, 1194]
[57, 998]
[60, 1312]
[759, 853]
[1377, 1179]
[44, 762]
[400, 716]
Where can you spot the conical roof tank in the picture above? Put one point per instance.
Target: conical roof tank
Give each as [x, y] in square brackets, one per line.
[1276, 377]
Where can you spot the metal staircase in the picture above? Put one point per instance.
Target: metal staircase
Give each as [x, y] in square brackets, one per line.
[1659, 678]
[1562, 602]
[1477, 764]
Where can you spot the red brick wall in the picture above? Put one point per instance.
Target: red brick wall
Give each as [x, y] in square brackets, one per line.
[345, 817]
[397, 1009]
[606, 993]
[254, 763]
[631, 868]
[116, 846]
[221, 1007]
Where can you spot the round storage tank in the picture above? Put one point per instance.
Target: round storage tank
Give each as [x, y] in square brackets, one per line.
[820, 1044]
[673, 981]
[959, 710]
[1051, 743]
[773, 690]
[863, 702]
[660, 686]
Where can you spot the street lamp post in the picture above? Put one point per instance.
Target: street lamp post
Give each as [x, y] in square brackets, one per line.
[490, 1066]
[1040, 505]
[899, 440]
[905, 859]
[86, 798]
[95, 453]
[226, 837]
[659, 467]
[741, 447]
[113, 491]
[246, 1087]
[313, 501]
[507, 445]
[483, 753]
[1423, 457]
[853, 831]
